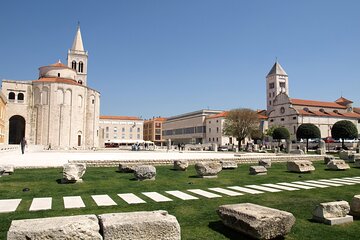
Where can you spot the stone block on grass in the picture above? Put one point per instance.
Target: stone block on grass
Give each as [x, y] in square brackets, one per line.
[181, 165]
[84, 227]
[228, 164]
[256, 221]
[355, 206]
[154, 225]
[257, 170]
[6, 169]
[300, 166]
[208, 169]
[73, 172]
[145, 172]
[328, 158]
[337, 165]
[265, 162]
[332, 213]
[127, 167]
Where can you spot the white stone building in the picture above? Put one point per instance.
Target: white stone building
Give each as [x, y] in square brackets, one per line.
[58, 108]
[120, 130]
[291, 113]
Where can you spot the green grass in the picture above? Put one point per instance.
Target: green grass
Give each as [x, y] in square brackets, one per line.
[197, 218]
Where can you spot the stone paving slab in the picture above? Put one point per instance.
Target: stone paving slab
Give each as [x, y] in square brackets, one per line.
[131, 198]
[204, 193]
[295, 185]
[280, 187]
[9, 205]
[157, 197]
[353, 179]
[181, 195]
[337, 182]
[245, 190]
[41, 204]
[346, 180]
[324, 183]
[73, 202]
[311, 184]
[226, 191]
[262, 188]
[103, 200]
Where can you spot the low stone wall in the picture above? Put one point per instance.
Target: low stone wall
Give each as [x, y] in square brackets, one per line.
[241, 159]
[8, 148]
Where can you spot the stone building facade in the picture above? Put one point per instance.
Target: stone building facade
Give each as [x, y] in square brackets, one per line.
[120, 130]
[2, 117]
[153, 130]
[291, 113]
[58, 109]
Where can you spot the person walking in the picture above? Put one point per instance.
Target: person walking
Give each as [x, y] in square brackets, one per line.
[23, 143]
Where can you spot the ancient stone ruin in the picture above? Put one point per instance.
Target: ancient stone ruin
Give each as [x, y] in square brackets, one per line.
[181, 165]
[257, 170]
[208, 169]
[337, 165]
[228, 164]
[332, 213]
[6, 170]
[73, 172]
[265, 162]
[145, 172]
[355, 206]
[127, 167]
[256, 221]
[300, 166]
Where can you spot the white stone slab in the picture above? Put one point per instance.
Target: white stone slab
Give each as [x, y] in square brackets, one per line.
[181, 195]
[295, 185]
[41, 204]
[311, 184]
[157, 197]
[245, 190]
[73, 202]
[204, 193]
[346, 180]
[352, 179]
[103, 200]
[131, 198]
[324, 183]
[280, 187]
[337, 181]
[226, 191]
[9, 205]
[267, 189]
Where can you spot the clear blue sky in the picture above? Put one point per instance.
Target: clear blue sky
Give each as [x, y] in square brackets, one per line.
[152, 57]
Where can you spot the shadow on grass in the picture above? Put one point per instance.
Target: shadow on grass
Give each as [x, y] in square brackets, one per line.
[229, 233]
[194, 176]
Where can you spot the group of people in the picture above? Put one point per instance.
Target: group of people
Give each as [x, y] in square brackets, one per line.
[181, 146]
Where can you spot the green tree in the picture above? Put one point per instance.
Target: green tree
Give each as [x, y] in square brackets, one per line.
[281, 133]
[257, 135]
[345, 130]
[307, 131]
[270, 130]
[239, 123]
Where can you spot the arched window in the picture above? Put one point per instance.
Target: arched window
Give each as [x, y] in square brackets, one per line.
[58, 74]
[11, 96]
[20, 97]
[81, 67]
[73, 65]
[80, 82]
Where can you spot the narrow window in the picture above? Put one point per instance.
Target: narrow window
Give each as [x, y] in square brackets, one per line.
[58, 74]
[11, 96]
[21, 97]
[81, 67]
[73, 65]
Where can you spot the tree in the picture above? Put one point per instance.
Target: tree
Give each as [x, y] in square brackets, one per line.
[257, 135]
[345, 130]
[270, 130]
[239, 123]
[307, 131]
[281, 133]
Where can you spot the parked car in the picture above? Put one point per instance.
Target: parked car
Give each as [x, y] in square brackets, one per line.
[329, 140]
[223, 148]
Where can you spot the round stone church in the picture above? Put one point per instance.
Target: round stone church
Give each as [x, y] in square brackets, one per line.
[58, 109]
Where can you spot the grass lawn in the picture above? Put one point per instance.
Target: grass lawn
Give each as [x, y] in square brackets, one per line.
[197, 218]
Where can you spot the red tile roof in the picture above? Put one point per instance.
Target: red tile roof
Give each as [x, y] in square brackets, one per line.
[159, 119]
[329, 114]
[58, 80]
[343, 100]
[302, 102]
[261, 115]
[119, 118]
[58, 64]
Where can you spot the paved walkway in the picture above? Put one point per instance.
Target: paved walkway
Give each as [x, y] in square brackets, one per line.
[59, 158]
[45, 203]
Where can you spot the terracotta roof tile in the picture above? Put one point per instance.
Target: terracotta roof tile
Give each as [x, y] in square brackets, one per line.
[223, 114]
[58, 80]
[120, 118]
[328, 114]
[343, 100]
[312, 103]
